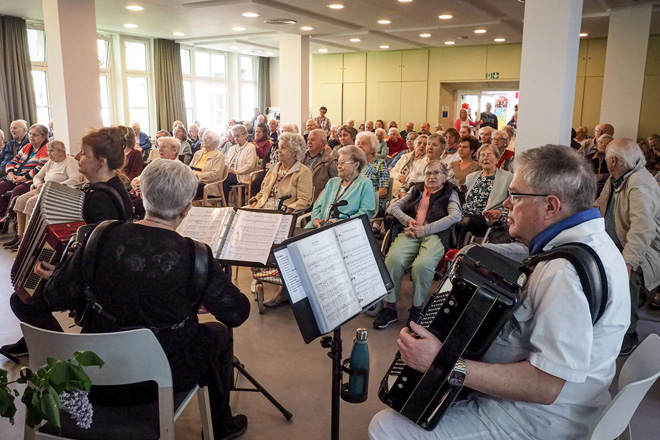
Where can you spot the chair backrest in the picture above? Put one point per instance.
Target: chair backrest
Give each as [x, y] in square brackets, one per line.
[131, 356]
[637, 375]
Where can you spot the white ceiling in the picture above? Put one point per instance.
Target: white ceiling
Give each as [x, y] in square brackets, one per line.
[209, 23]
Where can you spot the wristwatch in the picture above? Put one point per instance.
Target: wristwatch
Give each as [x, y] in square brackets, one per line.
[457, 375]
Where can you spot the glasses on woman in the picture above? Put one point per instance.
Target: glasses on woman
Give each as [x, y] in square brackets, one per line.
[432, 173]
[345, 162]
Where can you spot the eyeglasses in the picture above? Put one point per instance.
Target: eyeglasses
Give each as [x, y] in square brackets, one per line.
[516, 196]
[432, 173]
[344, 163]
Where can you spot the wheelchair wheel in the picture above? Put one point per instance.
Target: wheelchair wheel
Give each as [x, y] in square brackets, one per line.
[374, 310]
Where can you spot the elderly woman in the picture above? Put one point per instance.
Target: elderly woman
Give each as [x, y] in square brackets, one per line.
[350, 186]
[376, 169]
[383, 150]
[264, 148]
[181, 134]
[466, 164]
[133, 161]
[209, 162]
[162, 297]
[427, 213]
[407, 163]
[289, 177]
[435, 146]
[59, 168]
[241, 159]
[500, 140]
[486, 192]
[598, 160]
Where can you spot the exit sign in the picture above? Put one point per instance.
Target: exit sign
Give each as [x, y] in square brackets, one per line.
[493, 75]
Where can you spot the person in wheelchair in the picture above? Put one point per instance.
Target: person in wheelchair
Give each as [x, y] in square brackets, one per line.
[425, 216]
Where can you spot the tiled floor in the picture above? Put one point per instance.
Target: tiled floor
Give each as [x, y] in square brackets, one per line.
[296, 374]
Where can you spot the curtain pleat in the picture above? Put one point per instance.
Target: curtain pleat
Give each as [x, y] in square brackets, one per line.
[263, 77]
[170, 105]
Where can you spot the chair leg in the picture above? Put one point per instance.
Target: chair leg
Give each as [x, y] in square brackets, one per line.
[205, 412]
[166, 413]
[28, 433]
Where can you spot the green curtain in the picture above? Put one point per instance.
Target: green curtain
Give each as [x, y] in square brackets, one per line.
[263, 78]
[16, 86]
[170, 105]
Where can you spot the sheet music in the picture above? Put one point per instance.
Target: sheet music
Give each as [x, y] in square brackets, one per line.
[208, 225]
[335, 300]
[290, 275]
[285, 227]
[251, 236]
[360, 261]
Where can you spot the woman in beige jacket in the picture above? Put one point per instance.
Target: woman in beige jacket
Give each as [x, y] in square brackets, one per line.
[288, 177]
[209, 163]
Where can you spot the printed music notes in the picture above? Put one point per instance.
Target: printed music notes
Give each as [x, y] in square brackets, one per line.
[208, 225]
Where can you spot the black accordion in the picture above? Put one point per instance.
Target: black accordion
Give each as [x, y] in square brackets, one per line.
[467, 312]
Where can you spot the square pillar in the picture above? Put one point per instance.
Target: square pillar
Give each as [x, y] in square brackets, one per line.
[294, 79]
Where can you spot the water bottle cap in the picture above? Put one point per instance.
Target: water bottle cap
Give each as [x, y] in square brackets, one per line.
[361, 334]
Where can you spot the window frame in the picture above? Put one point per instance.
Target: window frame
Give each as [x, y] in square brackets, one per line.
[253, 82]
[148, 75]
[41, 66]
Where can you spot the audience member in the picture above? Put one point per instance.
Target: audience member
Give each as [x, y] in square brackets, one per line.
[500, 140]
[142, 139]
[346, 137]
[375, 169]
[410, 128]
[486, 135]
[410, 147]
[194, 138]
[369, 126]
[186, 151]
[383, 150]
[380, 124]
[51, 132]
[488, 119]
[19, 139]
[323, 122]
[580, 134]
[400, 172]
[598, 161]
[272, 130]
[133, 162]
[395, 144]
[242, 159]
[464, 120]
[319, 160]
[589, 146]
[208, 163]
[468, 146]
[426, 129]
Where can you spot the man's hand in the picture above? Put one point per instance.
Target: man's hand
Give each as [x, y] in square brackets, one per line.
[418, 349]
[402, 178]
[492, 214]
[44, 270]
[231, 171]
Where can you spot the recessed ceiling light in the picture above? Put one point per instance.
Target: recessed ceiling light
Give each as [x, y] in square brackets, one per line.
[384, 21]
[424, 35]
[450, 42]
[234, 47]
[384, 46]
[405, 1]
[306, 28]
[238, 28]
[355, 40]
[445, 16]
[250, 14]
[134, 8]
[583, 34]
[480, 31]
[336, 6]
[280, 21]
[131, 26]
[499, 40]
[178, 34]
[323, 50]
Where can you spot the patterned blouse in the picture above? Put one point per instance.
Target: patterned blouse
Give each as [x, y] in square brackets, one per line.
[377, 172]
[478, 198]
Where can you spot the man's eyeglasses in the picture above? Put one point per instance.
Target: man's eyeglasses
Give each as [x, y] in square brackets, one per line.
[516, 196]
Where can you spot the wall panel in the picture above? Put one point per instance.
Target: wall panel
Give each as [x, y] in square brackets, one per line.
[593, 93]
[504, 59]
[414, 65]
[355, 67]
[649, 123]
[596, 57]
[384, 66]
[354, 103]
[413, 102]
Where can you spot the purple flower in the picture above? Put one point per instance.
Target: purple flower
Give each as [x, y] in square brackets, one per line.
[78, 406]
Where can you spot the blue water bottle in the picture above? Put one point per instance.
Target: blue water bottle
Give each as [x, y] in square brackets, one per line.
[358, 381]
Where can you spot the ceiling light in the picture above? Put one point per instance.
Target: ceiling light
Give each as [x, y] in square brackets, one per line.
[135, 8]
[384, 46]
[480, 31]
[336, 6]
[405, 1]
[450, 42]
[306, 28]
[131, 26]
[355, 40]
[424, 35]
[238, 28]
[583, 34]
[178, 34]
[250, 14]
[445, 16]
[384, 21]
[499, 40]
[280, 21]
[234, 47]
[323, 50]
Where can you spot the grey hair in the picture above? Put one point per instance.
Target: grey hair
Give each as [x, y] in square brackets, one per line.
[604, 137]
[23, 122]
[288, 128]
[439, 163]
[653, 137]
[319, 132]
[312, 121]
[56, 144]
[379, 130]
[625, 151]
[492, 147]
[488, 129]
[355, 154]
[168, 187]
[294, 142]
[502, 133]
[561, 171]
[371, 137]
[239, 129]
[171, 141]
[2, 134]
[389, 130]
[215, 136]
[42, 129]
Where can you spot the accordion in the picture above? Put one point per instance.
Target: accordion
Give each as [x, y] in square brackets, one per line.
[56, 217]
[475, 299]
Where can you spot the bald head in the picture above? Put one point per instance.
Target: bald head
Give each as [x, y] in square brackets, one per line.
[603, 129]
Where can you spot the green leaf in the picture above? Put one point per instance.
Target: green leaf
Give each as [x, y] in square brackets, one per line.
[51, 361]
[7, 405]
[88, 359]
[48, 405]
[61, 373]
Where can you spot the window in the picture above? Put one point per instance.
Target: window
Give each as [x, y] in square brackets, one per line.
[205, 88]
[248, 87]
[105, 57]
[137, 82]
[186, 66]
[37, 47]
[188, 100]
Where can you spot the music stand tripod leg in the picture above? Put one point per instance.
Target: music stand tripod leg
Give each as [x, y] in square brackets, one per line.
[258, 388]
[14, 359]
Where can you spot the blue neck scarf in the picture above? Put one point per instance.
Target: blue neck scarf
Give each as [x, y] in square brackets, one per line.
[543, 238]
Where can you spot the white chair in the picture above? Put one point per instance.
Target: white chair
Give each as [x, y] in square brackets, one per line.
[637, 375]
[130, 357]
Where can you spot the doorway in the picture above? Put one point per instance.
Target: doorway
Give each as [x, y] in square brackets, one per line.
[502, 102]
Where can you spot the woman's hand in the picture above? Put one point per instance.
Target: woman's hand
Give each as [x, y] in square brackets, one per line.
[317, 223]
[38, 188]
[253, 204]
[492, 214]
[230, 171]
[402, 178]
[44, 270]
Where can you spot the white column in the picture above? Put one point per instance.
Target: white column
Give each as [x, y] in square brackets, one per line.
[625, 63]
[294, 79]
[73, 69]
[547, 72]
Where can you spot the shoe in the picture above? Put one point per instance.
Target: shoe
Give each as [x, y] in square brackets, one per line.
[386, 317]
[415, 313]
[655, 301]
[19, 349]
[15, 246]
[630, 342]
[235, 428]
[279, 299]
[11, 242]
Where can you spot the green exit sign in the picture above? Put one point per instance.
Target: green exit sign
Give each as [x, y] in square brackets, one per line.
[493, 75]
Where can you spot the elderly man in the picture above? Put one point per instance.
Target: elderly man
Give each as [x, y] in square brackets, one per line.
[323, 122]
[488, 119]
[141, 138]
[351, 123]
[194, 138]
[590, 146]
[438, 128]
[309, 126]
[176, 124]
[410, 128]
[261, 119]
[547, 374]
[346, 137]
[426, 128]
[272, 130]
[369, 126]
[630, 204]
[580, 134]
[395, 143]
[319, 159]
[500, 139]
[18, 129]
[486, 135]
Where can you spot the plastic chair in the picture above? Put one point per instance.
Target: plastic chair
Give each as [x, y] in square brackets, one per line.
[637, 376]
[130, 357]
[217, 185]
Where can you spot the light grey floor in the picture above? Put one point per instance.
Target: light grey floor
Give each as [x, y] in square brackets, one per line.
[296, 374]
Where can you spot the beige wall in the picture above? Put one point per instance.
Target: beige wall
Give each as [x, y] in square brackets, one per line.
[413, 85]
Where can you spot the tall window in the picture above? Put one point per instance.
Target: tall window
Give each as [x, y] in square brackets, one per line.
[37, 47]
[205, 86]
[137, 77]
[105, 56]
[248, 87]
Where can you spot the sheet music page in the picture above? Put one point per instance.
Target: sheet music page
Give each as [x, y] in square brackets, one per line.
[206, 225]
[251, 236]
[290, 275]
[285, 227]
[360, 261]
[332, 296]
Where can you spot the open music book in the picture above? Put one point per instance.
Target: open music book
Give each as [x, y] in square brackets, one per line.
[332, 275]
[243, 236]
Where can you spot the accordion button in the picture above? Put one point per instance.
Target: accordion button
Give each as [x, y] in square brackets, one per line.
[404, 378]
[400, 385]
[451, 302]
[446, 310]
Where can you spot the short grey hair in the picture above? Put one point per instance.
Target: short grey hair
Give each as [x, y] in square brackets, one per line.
[288, 128]
[239, 129]
[381, 130]
[560, 171]
[294, 142]
[492, 148]
[168, 187]
[23, 122]
[41, 129]
[625, 151]
[488, 129]
[389, 131]
[355, 154]
[215, 136]
[170, 141]
[501, 133]
[438, 163]
[604, 137]
[371, 137]
[319, 132]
